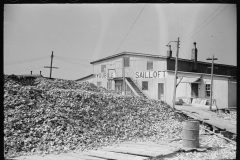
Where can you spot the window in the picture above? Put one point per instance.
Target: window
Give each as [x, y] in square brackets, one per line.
[149, 65]
[144, 85]
[208, 86]
[99, 84]
[103, 68]
[126, 61]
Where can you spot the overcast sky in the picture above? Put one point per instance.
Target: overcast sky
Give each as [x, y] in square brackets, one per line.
[80, 33]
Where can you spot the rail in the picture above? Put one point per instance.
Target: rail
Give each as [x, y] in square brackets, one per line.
[137, 83]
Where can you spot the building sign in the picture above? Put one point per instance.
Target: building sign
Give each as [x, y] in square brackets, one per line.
[105, 75]
[150, 74]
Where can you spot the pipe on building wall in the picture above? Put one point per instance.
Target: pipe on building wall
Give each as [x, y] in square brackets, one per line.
[194, 57]
[169, 52]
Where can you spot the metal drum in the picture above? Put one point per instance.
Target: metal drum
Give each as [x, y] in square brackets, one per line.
[190, 134]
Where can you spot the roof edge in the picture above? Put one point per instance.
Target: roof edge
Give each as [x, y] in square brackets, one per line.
[84, 77]
[201, 73]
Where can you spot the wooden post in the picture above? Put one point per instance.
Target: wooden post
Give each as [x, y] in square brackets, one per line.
[175, 77]
[123, 75]
[211, 79]
[51, 66]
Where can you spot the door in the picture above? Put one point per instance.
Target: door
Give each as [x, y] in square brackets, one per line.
[118, 85]
[194, 91]
[161, 91]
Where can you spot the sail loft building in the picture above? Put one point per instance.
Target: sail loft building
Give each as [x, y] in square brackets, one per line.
[152, 76]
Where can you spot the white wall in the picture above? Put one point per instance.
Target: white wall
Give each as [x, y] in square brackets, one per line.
[232, 94]
[220, 88]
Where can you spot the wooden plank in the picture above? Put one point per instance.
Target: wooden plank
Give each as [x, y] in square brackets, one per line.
[202, 114]
[114, 155]
[68, 156]
[86, 157]
[218, 122]
[153, 152]
[82, 156]
[148, 147]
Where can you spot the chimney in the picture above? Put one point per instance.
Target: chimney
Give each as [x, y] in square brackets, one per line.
[169, 52]
[31, 72]
[40, 73]
[194, 57]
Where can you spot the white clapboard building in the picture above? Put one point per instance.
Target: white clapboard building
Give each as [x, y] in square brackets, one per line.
[152, 76]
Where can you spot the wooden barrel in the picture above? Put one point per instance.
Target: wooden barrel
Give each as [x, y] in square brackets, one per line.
[190, 134]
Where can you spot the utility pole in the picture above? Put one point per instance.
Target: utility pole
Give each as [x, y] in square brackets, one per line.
[123, 75]
[211, 80]
[51, 66]
[175, 77]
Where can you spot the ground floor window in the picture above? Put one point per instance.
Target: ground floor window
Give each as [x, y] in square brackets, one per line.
[144, 85]
[208, 86]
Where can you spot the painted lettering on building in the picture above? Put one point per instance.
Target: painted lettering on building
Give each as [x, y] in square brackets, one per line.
[150, 74]
[105, 75]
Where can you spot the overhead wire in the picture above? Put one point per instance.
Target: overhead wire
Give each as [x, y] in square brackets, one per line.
[72, 58]
[201, 23]
[130, 28]
[69, 61]
[205, 25]
[29, 69]
[26, 60]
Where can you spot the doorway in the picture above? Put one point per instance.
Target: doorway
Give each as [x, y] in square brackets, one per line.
[194, 89]
[161, 91]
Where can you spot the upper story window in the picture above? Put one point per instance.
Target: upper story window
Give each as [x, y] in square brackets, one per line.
[103, 68]
[126, 61]
[149, 65]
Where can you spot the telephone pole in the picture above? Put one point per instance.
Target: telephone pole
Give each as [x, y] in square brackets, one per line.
[176, 68]
[51, 66]
[175, 77]
[211, 79]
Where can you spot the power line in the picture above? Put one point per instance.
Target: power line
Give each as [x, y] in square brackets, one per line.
[26, 60]
[72, 58]
[201, 23]
[205, 25]
[23, 69]
[69, 61]
[130, 29]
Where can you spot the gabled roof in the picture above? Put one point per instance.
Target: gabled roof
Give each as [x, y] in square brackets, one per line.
[88, 76]
[153, 56]
[129, 54]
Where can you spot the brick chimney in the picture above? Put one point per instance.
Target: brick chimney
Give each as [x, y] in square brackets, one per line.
[194, 57]
[169, 52]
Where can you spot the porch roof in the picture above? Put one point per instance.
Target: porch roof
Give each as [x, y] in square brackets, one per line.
[191, 80]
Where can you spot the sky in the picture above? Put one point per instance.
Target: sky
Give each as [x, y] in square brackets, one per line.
[78, 34]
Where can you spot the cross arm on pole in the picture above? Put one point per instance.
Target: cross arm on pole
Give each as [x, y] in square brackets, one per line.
[213, 67]
[50, 67]
[211, 59]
